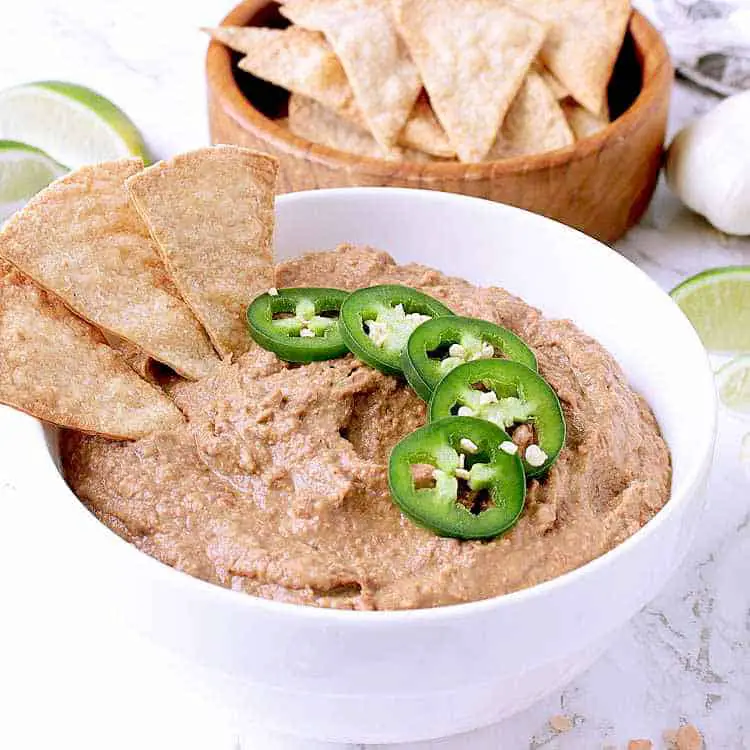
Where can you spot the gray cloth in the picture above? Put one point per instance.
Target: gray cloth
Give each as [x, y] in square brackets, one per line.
[709, 40]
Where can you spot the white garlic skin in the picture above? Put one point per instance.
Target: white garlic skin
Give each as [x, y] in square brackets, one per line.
[708, 165]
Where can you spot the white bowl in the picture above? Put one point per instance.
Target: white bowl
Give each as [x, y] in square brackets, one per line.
[401, 676]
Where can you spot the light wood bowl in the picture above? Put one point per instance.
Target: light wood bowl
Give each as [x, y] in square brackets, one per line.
[600, 185]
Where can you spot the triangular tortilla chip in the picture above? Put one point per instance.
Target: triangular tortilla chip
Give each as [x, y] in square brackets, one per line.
[385, 81]
[558, 90]
[535, 122]
[311, 120]
[581, 121]
[82, 240]
[136, 358]
[57, 368]
[423, 132]
[584, 40]
[211, 214]
[302, 62]
[473, 56]
[295, 59]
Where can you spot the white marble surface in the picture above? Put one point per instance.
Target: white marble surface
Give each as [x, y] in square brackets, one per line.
[686, 657]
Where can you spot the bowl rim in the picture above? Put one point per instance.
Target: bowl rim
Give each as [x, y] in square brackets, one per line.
[442, 614]
[656, 73]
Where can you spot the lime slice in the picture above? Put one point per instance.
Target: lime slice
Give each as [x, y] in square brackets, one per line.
[717, 303]
[24, 170]
[733, 382]
[71, 123]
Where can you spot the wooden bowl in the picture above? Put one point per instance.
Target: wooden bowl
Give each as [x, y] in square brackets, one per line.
[600, 185]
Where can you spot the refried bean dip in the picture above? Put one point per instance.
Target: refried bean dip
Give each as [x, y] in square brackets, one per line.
[277, 484]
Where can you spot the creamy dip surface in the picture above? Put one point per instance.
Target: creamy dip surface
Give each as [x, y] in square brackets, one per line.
[277, 486]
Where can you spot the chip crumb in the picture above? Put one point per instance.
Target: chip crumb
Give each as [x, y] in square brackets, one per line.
[688, 738]
[640, 745]
[273, 292]
[561, 723]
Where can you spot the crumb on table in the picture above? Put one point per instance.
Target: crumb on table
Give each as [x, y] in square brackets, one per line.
[561, 723]
[684, 738]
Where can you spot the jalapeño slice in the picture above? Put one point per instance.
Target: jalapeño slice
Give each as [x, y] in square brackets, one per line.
[440, 345]
[511, 396]
[452, 477]
[376, 323]
[298, 324]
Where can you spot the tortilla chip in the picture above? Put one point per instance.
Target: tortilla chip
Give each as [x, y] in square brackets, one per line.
[423, 132]
[581, 121]
[57, 368]
[558, 90]
[583, 43]
[420, 157]
[81, 239]
[135, 358]
[473, 56]
[385, 81]
[535, 122]
[311, 120]
[276, 56]
[295, 59]
[211, 213]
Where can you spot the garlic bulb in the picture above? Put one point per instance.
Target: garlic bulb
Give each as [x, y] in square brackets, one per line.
[708, 165]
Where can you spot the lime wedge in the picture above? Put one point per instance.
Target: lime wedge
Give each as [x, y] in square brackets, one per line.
[24, 170]
[717, 303]
[71, 123]
[733, 382]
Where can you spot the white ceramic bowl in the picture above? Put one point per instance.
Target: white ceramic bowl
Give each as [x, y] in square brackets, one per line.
[399, 676]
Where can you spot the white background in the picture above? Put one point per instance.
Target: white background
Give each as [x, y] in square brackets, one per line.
[65, 685]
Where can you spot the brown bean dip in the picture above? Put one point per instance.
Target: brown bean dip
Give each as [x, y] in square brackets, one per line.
[277, 486]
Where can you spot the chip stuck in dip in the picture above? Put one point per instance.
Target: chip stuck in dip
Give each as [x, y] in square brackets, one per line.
[378, 437]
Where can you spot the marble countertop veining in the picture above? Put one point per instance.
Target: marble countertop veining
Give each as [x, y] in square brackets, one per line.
[684, 658]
